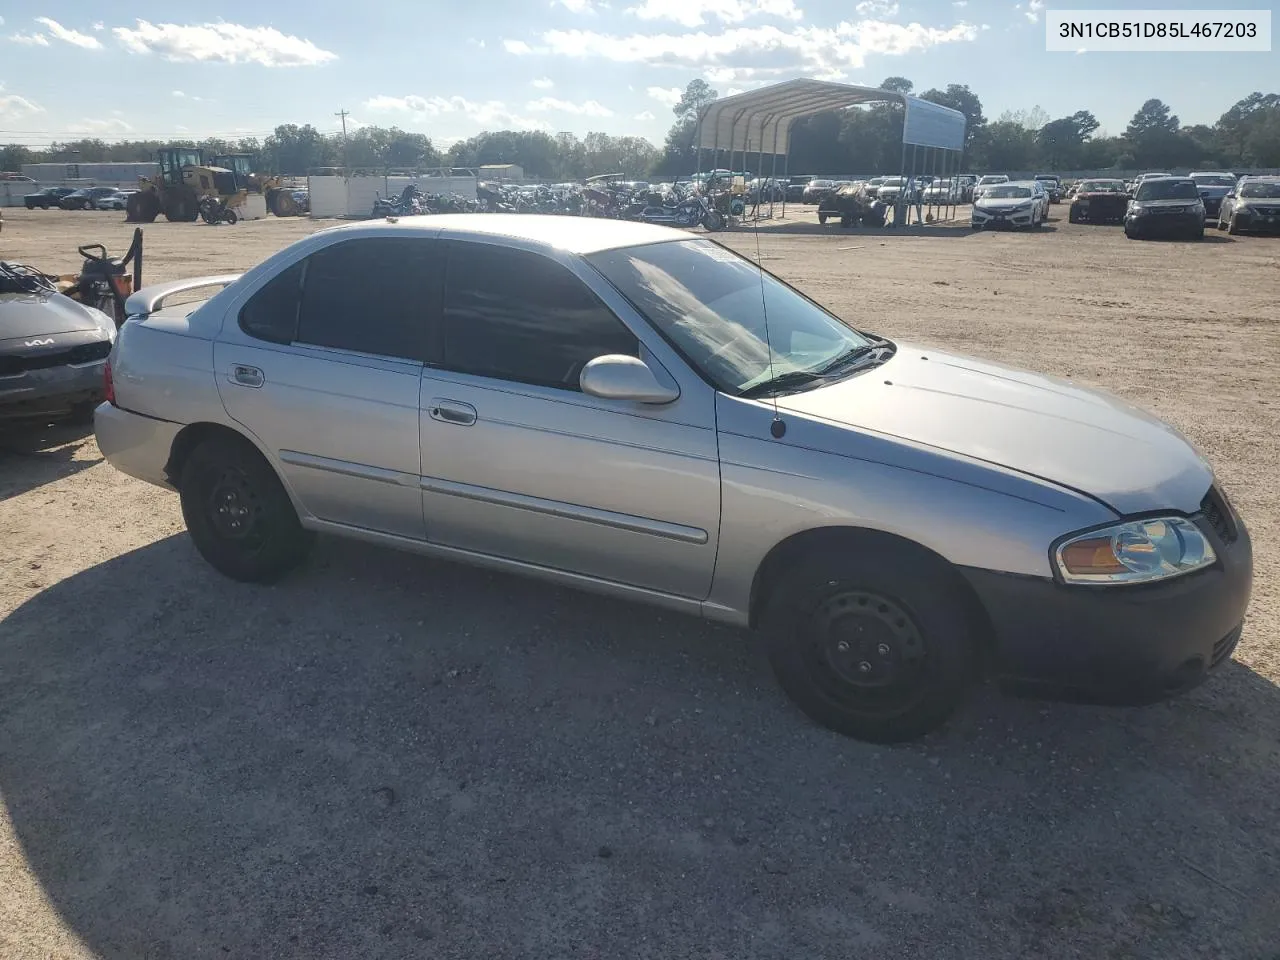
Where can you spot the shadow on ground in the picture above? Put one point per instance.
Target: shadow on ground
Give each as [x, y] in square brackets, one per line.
[33, 456]
[390, 757]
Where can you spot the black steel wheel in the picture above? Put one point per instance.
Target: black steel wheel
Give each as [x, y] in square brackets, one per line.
[238, 513]
[878, 650]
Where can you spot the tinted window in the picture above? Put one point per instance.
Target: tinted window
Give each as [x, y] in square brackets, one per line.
[373, 296]
[519, 316]
[1168, 190]
[272, 312]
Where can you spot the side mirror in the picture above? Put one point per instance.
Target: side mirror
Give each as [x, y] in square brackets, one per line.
[1230, 196]
[619, 377]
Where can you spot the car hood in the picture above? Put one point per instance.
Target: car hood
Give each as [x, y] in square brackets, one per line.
[24, 316]
[1208, 190]
[1042, 426]
[1001, 203]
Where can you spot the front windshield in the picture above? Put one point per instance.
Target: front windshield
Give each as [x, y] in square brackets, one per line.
[707, 301]
[1007, 193]
[1167, 190]
[1261, 189]
[894, 181]
[987, 181]
[1102, 186]
[1213, 180]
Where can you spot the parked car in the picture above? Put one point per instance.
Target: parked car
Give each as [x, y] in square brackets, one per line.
[52, 354]
[796, 187]
[1142, 177]
[1213, 186]
[1254, 207]
[85, 198]
[873, 186]
[1042, 196]
[988, 180]
[46, 198]
[891, 189]
[815, 190]
[851, 205]
[1098, 201]
[1165, 207]
[892, 519]
[1013, 204]
[942, 192]
[117, 200]
[967, 182]
[1052, 184]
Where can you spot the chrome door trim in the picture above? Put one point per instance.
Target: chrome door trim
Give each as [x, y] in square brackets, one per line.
[348, 469]
[568, 511]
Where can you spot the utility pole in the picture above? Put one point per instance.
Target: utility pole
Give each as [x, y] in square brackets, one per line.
[346, 167]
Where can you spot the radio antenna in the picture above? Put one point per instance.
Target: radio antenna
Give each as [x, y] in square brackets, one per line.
[778, 428]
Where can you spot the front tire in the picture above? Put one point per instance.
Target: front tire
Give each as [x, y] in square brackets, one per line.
[879, 650]
[238, 513]
[1232, 227]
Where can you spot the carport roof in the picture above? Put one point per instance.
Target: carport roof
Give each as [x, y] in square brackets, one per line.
[760, 120]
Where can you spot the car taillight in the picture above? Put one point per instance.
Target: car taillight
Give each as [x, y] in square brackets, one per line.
[108, 385]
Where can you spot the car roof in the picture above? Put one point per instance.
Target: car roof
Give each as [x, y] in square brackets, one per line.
[581, 235]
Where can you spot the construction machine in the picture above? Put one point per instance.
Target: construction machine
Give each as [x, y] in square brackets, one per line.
[183, 179]
[279, 198]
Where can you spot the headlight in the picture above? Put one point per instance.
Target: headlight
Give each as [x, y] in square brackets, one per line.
[1139, 551]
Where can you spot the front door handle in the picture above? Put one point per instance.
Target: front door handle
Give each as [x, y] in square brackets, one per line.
[452, 411]
[247, 376]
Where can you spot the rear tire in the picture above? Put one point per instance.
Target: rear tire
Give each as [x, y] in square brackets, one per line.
[238, 513]
[1232, 228]
[822, 219]
[877, 649]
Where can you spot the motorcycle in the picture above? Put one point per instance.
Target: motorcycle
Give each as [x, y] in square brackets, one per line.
[408, 204]
[214, 210]
[692, 210]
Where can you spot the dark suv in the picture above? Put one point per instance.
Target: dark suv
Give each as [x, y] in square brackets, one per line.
[46, 198]
[1052, 186]
[1165, 206]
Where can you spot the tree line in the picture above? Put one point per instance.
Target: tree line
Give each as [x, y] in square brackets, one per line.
[857, 140]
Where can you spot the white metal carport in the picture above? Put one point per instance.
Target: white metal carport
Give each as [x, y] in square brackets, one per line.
[759, 122]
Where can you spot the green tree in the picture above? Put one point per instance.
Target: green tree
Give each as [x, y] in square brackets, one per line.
[1061, 142]
[13, 156]
[678, 154]
[1235, 127]
[897, 84]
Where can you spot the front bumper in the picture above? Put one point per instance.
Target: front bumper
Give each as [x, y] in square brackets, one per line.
[134, 444]
[1093, 212]
[1256, 223]
[50, 393]
[1122, 644]
[1020, 218]
[1165, 224]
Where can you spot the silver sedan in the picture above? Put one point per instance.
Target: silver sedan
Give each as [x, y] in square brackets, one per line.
[642, 412]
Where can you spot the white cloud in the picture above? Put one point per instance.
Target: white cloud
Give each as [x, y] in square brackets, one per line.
[543, 83]
[733, 91]
[14, 107]
[517, 47]
[1033, 10]
[667, 96]
[30, 39]
[644, 116]
[487, 113]
[876, 8]
[959, 3]
[191, 96]
[113, 125]
[743, 53]
[691, 13]
[588, 109]
[67, 35]
[99, 25]
[578, 6]
[221, 43]
[1080, 50]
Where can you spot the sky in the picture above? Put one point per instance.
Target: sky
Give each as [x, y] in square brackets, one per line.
[451, 69]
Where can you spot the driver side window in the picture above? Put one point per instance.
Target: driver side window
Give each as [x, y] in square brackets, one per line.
[515, 315]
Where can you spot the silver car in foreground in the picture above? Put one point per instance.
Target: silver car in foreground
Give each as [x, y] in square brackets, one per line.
[642, 412]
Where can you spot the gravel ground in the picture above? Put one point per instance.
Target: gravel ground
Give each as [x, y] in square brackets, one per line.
[386, 757]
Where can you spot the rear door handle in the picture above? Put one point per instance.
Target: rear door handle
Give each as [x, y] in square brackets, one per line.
[452, 411]
[247, 376]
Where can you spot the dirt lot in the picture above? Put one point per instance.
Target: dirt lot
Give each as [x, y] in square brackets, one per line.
[389, 757]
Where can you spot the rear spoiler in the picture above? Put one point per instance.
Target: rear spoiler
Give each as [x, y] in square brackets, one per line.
[150, 299]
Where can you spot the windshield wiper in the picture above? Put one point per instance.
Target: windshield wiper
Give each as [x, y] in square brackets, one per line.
[783, 381]
[850, 357]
